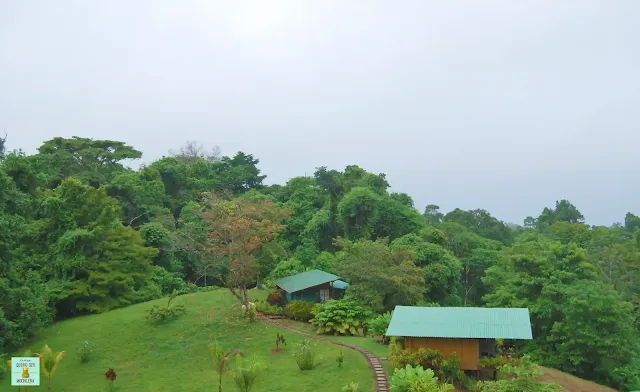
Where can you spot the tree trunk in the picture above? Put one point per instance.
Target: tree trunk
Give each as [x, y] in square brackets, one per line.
[220, 383]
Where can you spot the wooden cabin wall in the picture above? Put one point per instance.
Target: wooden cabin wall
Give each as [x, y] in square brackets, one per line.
[468, 350]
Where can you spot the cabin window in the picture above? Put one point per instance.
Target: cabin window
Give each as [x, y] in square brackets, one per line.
[324, 295]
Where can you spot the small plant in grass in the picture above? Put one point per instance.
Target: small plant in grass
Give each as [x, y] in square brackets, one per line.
[417, 379]
[111, 376]
[246, 373]
[340, 358]
[249, 311]
[306, 355]
[279, 340]
[351, 387]
[49, 361]
[342, 317]
[85, 352]
[163, 313]
[221, 359]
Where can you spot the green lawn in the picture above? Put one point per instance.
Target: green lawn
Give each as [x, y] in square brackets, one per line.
[367, 343]
[174, 356]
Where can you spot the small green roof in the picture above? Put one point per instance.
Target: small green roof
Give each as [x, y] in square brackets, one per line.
[470, 323]
[340, 285]
[302, 281]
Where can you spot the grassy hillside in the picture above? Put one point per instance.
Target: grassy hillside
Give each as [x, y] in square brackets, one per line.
[174, 356]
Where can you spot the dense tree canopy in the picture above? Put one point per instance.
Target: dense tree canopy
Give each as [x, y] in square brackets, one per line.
[82, 233]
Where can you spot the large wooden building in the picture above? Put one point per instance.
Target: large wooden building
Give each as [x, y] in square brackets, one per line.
[312, 286]
[469, 332]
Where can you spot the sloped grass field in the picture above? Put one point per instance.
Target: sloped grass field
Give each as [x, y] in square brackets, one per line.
[174, 356]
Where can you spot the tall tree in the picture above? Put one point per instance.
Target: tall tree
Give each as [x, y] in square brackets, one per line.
[379, 276]
[432, 215]
[238, 230]
[564, 212]
[95, 162]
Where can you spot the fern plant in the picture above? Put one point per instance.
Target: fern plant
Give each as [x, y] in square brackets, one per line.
[379, 325]
[342, 317]
[417, 379]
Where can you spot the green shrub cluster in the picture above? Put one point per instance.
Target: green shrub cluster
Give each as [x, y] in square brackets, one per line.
[300, 310]
[523, 378]
[379, 325]
[427, 358]
[266, 308]
[417, 379]
[164, 313]
[493, 362]
[342, 317]
[450, 369]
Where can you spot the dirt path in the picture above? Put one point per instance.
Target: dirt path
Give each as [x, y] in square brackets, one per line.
[379, 374]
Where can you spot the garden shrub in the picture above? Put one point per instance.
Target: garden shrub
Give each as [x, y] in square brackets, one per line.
[306, 355]
[163, 313]
[342, 317]
[400, 357]
[266, 308]
[300, 310]
[450, 370]
[275, 298]
[524, 379]
[379, 325]
[417, 379]
[429, 358]
[493, 362]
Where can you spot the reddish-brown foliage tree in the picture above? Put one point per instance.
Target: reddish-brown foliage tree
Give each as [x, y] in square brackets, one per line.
[237, 230]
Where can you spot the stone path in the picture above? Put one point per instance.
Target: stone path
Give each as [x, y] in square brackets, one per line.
[379, 374]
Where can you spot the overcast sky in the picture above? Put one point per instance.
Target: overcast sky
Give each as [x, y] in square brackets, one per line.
[503, 105]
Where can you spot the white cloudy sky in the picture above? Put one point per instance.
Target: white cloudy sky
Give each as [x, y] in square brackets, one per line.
[498, 104]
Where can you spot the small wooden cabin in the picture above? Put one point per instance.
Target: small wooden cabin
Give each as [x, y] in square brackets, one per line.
[469, 332]
[312, 286]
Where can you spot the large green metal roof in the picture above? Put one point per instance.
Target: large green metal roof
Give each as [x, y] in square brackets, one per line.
[302, 281]
[472, 323]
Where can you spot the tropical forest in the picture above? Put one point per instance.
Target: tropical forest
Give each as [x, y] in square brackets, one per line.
[162, 277]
